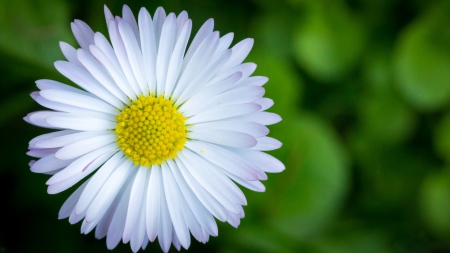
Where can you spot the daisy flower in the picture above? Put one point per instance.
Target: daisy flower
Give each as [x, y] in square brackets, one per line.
[156, 136]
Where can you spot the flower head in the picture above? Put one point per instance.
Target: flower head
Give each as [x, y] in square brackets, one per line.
[159, 132]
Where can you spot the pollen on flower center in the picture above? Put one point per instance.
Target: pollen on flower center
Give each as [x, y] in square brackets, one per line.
[150, 130]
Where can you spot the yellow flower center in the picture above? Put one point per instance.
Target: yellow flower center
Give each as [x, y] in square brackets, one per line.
[150, 130]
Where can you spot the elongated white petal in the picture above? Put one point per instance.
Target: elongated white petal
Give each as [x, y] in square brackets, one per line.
[212, 204]
[158, 21]
[128, 16]
[115, 230]
[265, 103]
[108, 191]
[108, 14]
[240, 95]
[70, 53]
[134, 55]
[40, 153]
[139, 236]
[224, 43]
[202, 79]
[79, 36]
[181, 19]
[246, 68]
[203, 216]
[264, 118]
[254, 80]
[69, 204]
[100, 74]
[195, 102]
[80, 165]
[97, 181]
[174, 201]
[153, 202]
[45, 84]
[165, 226]
[267, 144]
[87, 82]
[49, 163]
[224, 137]
[265, 161]
[168, 34]
[86, 30]
[251, 128]
[224, 159]
[176, 59]
[240, 52]
[136, 200]
[69, 137]
[48, 136]
[148, 45]
[75, 122]
[202, 34]
[74, 99]
[69, 182]
[82, 147]
[122, 56]
[223, 112]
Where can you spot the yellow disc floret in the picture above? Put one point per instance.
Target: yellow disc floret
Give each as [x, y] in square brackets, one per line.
[150, 130]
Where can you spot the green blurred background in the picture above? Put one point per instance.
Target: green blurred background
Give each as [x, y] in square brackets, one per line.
[363, 87]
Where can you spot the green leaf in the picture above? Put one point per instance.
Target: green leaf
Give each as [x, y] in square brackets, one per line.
[422, 59]
[329, 41]
[312, 189]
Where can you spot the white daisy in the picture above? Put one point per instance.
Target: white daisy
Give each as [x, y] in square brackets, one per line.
[166, 132]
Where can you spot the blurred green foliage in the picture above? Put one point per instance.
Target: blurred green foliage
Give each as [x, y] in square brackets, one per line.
[363, 87]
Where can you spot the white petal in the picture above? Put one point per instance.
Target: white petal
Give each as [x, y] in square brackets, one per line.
[153, 202]
[165, 226]
[264, 118]
[240, 95]
[127, 15]
[40, 153]
[121, 54]
[139, 236]
[199, 62]
[79, 36]
[175, 241]
[223, 137]
[223, 112]
[218, 189]
[103, 44]
[108, 15]
[240, 52]
[167, 42]
[109, 191]
[65, 184]
[69, 204]
[87, 82]
[194, 104]
[208, 201]
[115, 230]
[254, 80]
[97, 181]
[223, 158]
[256, 186]
[115, 72]
[267, 144]
[80, 165]
[265, 103]
[247, 69]
[86, 30]
[251, 128]
[78, 100]
[136, 200]
[45, 84]
[99, 73]
[174, 201]
[176, 59]
[134, 55]
[48, 136]
[69, 137]
[148, 45]
[84, 123]
[70, 53]
[74, 218]
[202, 34]
[202, 78]
[158, 21]
[265, 161]
[39, 119]
[200, 212]
[224, 43]
[181, 19]
[61, 107]
[49, 163]
[82, 147]
[233, 219]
